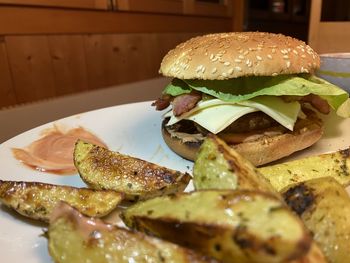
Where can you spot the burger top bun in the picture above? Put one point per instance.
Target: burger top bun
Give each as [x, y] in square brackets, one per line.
[237, 54]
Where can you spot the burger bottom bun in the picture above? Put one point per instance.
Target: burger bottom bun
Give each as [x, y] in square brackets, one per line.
[262, 150]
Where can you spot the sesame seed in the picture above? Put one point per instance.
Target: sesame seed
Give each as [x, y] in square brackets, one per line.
[274, 74]
[269, 56]
[284, 51]
[305, 70]
[295, 52]
[288, 64]
[238, 60]
[259, 58]
[273, 50]
[286, 57]
[211, 56]
[241, 57]
[245, 52]
[214, 70]
[203, 69]
[238, 68]
[224, 74]
[303, 56]
[227, 63]
[230, 71]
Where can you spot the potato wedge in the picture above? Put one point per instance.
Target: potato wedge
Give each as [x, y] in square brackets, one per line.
[37, 200]
[74, 238]
[232, 226]
[138, 179]
[219, 166]
[315, 255]
[336, 165]
[324, 206]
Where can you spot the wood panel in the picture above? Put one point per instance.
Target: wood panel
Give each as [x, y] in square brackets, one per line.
[31, 66]
[69, 63]
[62, 21]
[333, 37]
[121, 58]
[238, 8]
[95, 4]
[115, 59]
[207, 8]
[327, 37]
[99, 60]
[7, 93]
[153, 6]
[314, 23]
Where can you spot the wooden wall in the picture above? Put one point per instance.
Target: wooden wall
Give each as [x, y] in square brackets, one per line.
[65, 47]
[44, 66]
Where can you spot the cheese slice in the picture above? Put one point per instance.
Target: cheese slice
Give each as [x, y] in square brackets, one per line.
[285, 113]
[215, 115]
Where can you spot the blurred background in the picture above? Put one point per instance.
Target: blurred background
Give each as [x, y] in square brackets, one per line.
[51, 48]
[54, 48]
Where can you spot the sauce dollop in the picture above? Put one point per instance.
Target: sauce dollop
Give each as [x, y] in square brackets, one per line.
[54, 151]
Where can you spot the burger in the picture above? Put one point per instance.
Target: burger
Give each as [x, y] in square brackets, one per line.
[254, 90]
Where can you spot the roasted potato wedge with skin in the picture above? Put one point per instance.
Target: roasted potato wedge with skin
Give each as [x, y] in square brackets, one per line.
[219, 166]
[240, 225]
[138, 179]
[75, 238]
[37, 200]
[336, 165]
[324, 206]
[315, 255]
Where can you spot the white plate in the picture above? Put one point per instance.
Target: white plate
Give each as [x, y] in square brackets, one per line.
[132, 129]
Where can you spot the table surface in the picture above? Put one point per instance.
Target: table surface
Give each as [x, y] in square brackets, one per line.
[22, 118]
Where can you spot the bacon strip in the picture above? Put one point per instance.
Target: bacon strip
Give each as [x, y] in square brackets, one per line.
[318, 103]
[186, 102]
[163, 102]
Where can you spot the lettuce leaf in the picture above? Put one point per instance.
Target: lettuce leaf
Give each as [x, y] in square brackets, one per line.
[241, 89]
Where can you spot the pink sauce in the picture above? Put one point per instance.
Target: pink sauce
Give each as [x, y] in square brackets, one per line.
[54, 151]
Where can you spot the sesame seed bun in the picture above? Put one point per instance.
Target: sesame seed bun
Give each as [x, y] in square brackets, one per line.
[238, 54]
